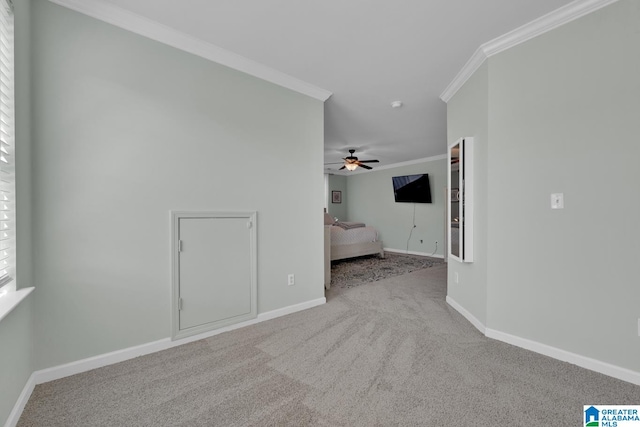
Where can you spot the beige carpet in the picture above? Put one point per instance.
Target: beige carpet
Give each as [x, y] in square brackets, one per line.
[386, 353]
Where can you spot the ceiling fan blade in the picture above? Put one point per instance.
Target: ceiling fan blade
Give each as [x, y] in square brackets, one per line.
[334, 163]
[353, 162]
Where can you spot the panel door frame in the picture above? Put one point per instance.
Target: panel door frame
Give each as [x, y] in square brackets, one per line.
[176, 216]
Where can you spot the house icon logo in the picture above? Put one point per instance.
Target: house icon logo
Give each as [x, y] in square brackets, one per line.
[591, 417]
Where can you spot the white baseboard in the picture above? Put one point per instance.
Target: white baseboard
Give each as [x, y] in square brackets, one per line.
[260, 318]
[467, 315]
[402, 251]
[605, 368]
[14, 416]
[84, 365]
[291, 309]
[566, 356]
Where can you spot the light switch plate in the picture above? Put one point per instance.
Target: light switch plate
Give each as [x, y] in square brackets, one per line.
[557, 201]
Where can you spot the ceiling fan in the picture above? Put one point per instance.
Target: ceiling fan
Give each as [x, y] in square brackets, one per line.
[351, 162]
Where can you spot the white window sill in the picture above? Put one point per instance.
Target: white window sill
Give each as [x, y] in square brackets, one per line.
[11, 299]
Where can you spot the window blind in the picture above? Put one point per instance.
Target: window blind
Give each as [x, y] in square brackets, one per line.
[7, 146]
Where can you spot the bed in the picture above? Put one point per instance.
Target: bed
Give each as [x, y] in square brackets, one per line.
[354, 242]
[348, 240]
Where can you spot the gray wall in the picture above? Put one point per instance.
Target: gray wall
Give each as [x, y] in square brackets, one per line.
[338, 210]
[126, 129]
[370, 200]
[467, 115]
[563, 117]
[15, 355]
[16, 330]
[564, 114]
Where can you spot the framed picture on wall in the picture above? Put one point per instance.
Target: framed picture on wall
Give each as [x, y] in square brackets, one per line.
[336, 197]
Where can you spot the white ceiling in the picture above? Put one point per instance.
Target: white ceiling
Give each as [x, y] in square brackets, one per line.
[367, 53]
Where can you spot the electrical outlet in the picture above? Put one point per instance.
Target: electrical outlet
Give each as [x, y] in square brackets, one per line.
[291, 280]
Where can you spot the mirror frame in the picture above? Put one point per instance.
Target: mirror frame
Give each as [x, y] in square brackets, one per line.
[464, 172]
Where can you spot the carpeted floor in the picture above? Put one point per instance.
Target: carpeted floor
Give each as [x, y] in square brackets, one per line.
[354, 272]
[391, 353]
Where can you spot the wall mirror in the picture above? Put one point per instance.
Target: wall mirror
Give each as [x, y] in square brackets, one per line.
[460, 200]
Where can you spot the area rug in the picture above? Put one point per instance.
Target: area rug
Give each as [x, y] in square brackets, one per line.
[352, 272]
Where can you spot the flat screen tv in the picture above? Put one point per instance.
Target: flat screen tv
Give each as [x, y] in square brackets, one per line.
[412, 188]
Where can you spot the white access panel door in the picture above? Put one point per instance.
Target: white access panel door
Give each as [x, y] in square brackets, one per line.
[215, 271]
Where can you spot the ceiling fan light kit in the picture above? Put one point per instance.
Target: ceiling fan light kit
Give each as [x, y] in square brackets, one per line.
[351, 162]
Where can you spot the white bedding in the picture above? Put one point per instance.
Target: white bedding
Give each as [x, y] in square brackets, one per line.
[340, 236]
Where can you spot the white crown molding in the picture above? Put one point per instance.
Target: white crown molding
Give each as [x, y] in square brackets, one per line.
[161, 33]
[412, 162]
[548, 22]
[391, 166]
[472, 65]
[545, 23]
